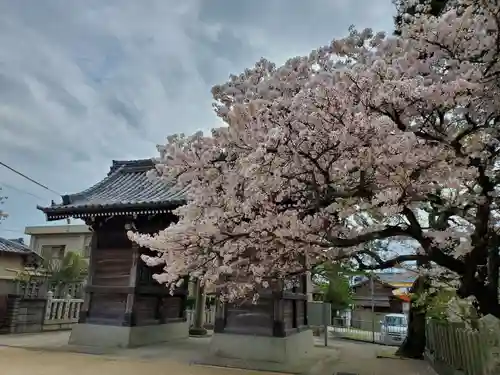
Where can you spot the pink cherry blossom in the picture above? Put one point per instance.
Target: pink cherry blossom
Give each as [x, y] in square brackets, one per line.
[368, 138]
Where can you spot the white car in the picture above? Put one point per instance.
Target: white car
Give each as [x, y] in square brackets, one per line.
[393, 329]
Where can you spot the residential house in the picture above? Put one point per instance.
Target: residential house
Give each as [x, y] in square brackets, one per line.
[15, 257]
[53, 241]
[386, 296]
[317, 293]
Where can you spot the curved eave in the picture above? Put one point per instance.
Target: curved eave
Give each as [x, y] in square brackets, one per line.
[63, 212]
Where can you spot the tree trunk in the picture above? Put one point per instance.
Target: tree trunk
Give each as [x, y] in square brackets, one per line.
[414, 344]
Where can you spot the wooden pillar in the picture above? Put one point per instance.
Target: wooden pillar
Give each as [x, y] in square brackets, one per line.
[220, 315]
[129, 316]
[87, 295]
[278, 313]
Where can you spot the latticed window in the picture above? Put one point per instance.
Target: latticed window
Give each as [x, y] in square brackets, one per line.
[145, 274]
[87, 247]
[29, 289]
[53, 252]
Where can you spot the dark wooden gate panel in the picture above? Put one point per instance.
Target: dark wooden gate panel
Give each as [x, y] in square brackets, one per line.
[3, 312]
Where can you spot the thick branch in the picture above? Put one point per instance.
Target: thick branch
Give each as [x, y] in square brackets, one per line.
[381, 265]
[332, 241]
[388, 232]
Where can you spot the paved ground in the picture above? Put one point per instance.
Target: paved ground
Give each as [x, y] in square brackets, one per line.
[21, 362]
[361, 358]
[47, 353]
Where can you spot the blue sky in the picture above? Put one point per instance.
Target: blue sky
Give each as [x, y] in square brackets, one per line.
[83, 82]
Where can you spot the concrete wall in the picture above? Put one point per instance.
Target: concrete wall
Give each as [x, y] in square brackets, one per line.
[10, 264]
[362, 294]
[29, 315]
[261, 348]
[7, 287]
[127, 337]
[24, 315]
[74, 237]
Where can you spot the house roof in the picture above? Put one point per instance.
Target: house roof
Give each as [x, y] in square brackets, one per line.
[15, 246]
[126, 189]
[394, 279]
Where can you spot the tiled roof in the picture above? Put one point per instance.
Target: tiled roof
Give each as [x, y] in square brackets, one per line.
[13, 246]
[397, 278]
[392, 278]
[126, 187]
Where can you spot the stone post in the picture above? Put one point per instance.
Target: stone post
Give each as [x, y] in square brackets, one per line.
[309, 283]
[13, 303]
[309, 287]
[198, 328]
[67, 305]
[48, 307]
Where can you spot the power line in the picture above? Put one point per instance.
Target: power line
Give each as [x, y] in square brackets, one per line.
[11, 230]
[29, 178]
[21, 190]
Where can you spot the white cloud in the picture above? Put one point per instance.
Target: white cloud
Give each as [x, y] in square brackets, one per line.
[87, 81]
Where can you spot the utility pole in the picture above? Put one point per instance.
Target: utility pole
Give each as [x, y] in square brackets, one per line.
[373, 306]
[325, 320]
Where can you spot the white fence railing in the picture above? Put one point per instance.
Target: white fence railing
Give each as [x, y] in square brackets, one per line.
[62, 310]
[209, 316]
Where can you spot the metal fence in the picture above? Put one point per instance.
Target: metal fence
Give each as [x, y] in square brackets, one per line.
[387, 329]
[382, 331]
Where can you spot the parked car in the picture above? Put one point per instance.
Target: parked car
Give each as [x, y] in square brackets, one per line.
[393, 329]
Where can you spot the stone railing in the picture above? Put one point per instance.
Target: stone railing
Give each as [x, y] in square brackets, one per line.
[61, 313]
[40, 289]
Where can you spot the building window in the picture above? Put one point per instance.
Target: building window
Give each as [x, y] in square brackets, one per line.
[87, 246]
[381, 309]
[51, 252]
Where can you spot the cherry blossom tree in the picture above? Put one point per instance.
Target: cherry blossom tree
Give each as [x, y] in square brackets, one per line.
[368, 138]
[407, 8]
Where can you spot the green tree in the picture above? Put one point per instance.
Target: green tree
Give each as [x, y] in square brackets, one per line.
[333, 280]
[56, 273]
[72, 268]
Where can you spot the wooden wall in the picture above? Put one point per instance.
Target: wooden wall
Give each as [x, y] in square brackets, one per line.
[279, 312]
[381, 294]
[121, 289]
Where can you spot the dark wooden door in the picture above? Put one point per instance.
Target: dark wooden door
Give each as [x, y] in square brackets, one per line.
[3, 312]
